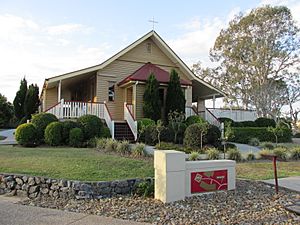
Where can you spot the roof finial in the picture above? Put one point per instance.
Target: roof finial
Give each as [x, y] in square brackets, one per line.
[153, 22]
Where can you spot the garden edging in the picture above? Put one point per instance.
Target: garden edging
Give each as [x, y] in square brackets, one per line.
[37, 186]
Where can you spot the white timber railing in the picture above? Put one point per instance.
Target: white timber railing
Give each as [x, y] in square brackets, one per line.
[109, 122]
[128, 116]
[210, 117]
[75, 109]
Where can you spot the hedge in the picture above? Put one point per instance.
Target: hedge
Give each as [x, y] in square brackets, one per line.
[244, 134]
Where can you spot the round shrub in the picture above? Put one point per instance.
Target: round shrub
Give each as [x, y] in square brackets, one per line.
[66, 127]
[225, 120]
[193, 119]
[145, 122]
[105, 133]
[254, 142]
[281, 153]
[26, 135]
[91, 126]
[213, 136]
[234, 154]
[167, 134]
[212, 154]
[76, 137]
[295, 153]
[41, 121]
[53, 134]
[192, 135]
[194, 156]
[265, 122]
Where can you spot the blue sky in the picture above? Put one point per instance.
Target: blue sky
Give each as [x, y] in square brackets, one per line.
[41, 39]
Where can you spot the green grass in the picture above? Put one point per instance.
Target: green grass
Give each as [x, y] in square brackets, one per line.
[72, 163]
[89, 165]
[264, 170]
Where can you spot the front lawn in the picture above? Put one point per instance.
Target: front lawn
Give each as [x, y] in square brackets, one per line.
[264, 170]
[89, 165]
[72, 163]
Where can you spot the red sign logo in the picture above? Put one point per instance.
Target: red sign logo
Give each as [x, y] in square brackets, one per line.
[208, 181]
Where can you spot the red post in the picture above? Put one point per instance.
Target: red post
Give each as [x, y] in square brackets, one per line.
[275, 173]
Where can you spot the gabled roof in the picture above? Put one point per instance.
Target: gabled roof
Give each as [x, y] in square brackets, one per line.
[143, 73]
[159, 42]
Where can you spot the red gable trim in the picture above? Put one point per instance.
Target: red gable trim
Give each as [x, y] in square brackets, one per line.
[143, 73]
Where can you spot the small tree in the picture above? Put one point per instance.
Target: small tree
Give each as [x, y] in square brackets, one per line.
[20, 99]
[152, 105]
[159, 129]
[175, 99]
[176, 122]
[6, 111]
[31, 102]
[277, 131]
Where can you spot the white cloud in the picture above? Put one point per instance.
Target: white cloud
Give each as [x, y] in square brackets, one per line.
[28, 49]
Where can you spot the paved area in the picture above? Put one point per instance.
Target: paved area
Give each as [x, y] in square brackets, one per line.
[244, 148]
[10, 137]
[296, 140]
[292, 183]
[12, 214]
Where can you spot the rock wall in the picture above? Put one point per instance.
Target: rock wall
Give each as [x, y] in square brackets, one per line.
[33, 187]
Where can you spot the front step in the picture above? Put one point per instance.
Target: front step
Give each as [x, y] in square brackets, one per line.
[123, 132]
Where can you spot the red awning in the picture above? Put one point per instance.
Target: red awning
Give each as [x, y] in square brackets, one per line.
[143, 73]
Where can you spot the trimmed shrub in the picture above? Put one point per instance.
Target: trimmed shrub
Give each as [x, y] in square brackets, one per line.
[265, 122]
[212, 154]
[139, 150]
[41, 121]
[268, 145]
[76, 137]
[244, 134]
[143, 124]
[193, 136]
[105, 133]
[27, 135]
[167, 135]
[66, 127]
[53, 134]
[250, 156]
[123, 147]
[254, 142]
[193, 119]
[295, 153]
[213, 136]
[150, 135]
[247, 123]
[91, 126]
[225, 120]
[234, 154]
[145, 189]
[101, 143]
[194, 156]
[111, 145]
[281, 153]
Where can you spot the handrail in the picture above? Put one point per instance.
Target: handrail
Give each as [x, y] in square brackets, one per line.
[132, 123]
[51, 107]
[108, 119]
[211, 118]
[212, 114]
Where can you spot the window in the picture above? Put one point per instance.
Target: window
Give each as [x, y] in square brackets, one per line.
[149, 47]
[111, 91]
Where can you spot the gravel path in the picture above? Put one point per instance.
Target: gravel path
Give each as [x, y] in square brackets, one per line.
[252, 203]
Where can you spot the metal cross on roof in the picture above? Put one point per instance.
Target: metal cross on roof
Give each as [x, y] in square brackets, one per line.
[153, 22]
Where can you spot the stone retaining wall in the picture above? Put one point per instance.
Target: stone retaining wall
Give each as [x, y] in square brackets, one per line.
[33, 187]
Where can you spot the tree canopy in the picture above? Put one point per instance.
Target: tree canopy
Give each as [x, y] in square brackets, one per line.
[152, 104]
[256, 55]
[20, 99]
[175, 99]
[6, 111]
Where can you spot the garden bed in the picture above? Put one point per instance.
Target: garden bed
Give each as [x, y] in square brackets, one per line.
[251, 203]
